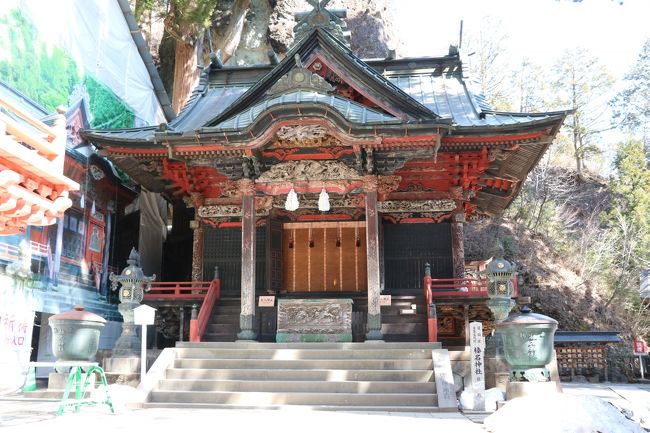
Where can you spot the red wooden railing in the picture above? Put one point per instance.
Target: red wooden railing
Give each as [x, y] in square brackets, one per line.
[208, 292]
[198, 325]
[451, 287]
[178, 290]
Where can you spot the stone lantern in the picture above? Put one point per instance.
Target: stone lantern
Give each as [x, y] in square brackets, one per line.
[528, 345]
[133, 283]
[500, 289]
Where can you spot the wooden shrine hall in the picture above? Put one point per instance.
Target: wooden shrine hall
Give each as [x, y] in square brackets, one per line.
[327, 177]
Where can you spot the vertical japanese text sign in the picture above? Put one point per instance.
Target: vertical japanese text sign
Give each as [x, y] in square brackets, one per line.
[477, 348]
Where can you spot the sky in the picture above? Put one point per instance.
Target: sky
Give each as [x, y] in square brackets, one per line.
[612, 30]
[538, 29]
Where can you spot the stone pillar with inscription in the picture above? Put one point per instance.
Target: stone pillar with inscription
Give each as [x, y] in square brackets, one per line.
[197, 241]
[477, 365]
[372, 245]
[247, 188]
[458, 245]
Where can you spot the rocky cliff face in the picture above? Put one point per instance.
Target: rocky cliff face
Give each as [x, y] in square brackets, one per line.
[269, 25]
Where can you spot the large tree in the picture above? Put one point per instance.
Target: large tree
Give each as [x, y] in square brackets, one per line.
[581, 83]
[486, 50]
[185, 21]
[629, 219]
[632, 105]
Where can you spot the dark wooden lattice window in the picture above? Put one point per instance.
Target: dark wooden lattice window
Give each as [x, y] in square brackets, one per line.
[407, 247]
[222, 247]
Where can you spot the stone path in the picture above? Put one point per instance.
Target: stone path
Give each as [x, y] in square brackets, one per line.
[38, 416]
[25, 417]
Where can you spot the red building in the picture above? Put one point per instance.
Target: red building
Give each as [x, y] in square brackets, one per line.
[327, 176]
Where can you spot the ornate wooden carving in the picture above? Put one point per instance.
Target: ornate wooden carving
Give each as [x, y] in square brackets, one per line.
[246, 187]
[458, 246]
[500, 153]
[262, 207]
[411, 206]
[299, 316]
[355, 201]
[214, 211]
[387, 184]
[197, 251]
[308, 171]
[300, 78]
[370, 183]
[152, 166]
[419, 217]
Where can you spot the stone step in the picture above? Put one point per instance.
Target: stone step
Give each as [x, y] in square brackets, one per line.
[300, 375]
[220, 337]
[295, 386]
[389, 338]
[403, 328]
[302, 354]
[226, 309]
[403, 318]
[222, 328]
[287, 398]
[319, 346]
[231, 319]
[302, 364]
[355, 409]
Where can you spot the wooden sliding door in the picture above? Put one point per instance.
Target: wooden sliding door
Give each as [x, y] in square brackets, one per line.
[324, 257]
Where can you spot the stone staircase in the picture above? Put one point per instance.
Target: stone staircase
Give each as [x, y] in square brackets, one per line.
[319, 376]
[396, 325]
[224, 323]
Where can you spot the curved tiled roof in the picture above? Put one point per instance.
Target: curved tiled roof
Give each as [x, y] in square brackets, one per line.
[449, 96]
[352, 111]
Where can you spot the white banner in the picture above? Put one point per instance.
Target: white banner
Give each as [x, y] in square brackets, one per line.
[16, 325]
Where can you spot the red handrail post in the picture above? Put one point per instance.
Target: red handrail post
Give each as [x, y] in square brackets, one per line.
[194, 331]
[432, 318]
[214, 293]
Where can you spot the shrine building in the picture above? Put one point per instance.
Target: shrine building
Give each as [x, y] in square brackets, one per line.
[324, 177]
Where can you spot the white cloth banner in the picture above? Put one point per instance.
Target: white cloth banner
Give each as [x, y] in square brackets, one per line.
[16, 325]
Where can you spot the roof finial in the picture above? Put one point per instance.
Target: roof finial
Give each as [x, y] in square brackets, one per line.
[298, 62]
[320, 17]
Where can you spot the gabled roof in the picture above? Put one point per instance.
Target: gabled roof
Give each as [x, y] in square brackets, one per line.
[352, 69]
[352, 111]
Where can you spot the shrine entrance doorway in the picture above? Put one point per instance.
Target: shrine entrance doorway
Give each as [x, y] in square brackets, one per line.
[324, 257]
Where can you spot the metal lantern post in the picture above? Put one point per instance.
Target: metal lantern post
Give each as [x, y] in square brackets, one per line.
[500, 288]
[133, 283]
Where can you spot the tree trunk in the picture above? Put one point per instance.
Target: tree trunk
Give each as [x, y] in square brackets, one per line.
[185, 74]
[230, 40]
